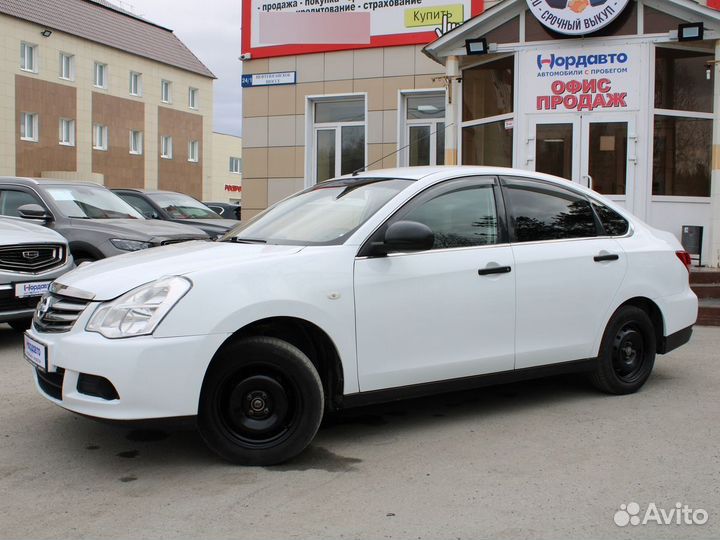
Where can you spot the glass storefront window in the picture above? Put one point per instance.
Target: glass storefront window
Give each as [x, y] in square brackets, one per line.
[339, 140]
[680, 80]
[607, 160]
[488, 89]
[346, 110]
[487, 144]
[424, 129]
[554, 149]
[682, 149]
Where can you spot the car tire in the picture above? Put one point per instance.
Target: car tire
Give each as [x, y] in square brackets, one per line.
[627, 352]
[20, 325]
[261, 402]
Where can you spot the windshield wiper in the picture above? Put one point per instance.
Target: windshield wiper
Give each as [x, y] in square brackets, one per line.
[236, 240]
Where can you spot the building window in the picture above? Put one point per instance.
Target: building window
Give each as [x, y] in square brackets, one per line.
[67, 67]
[423, 131]
[135, 84]
[682, 123]
[100, 137]
[338, 137]
[136, 142]
[67, 132]
[166, 91]
[487, 103]
[166, 147]
[28, 57]
[29, 127]
[235, 165]
[100, 75]
[194, 151]
[193, 98]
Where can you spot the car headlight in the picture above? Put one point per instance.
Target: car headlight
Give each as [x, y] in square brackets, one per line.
[138, 312]
[129, 245]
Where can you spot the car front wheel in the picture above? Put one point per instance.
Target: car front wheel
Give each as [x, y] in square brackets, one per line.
[261, 402]
[627, 352]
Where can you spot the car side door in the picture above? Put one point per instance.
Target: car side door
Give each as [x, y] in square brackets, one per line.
[567, 272]
[444, 313]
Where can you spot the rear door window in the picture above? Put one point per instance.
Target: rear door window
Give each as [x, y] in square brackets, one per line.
[539, 211]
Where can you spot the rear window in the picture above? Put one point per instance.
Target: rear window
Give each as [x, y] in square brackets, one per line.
[613, 223]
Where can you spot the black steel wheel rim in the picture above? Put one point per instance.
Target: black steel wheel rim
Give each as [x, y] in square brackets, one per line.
[258, 406]
[629, 353]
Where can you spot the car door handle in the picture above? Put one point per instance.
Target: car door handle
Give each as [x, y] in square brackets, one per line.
[607, 257]
[494, 270]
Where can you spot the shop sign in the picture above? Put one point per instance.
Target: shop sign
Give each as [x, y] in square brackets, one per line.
[271, 29]
[576, 17]
[582, 79]
[233, 188]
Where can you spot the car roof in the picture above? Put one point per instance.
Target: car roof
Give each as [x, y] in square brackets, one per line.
[26, 181]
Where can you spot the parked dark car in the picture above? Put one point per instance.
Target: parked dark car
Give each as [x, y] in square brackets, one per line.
[226, 210]
[96, 222]
[177, 207]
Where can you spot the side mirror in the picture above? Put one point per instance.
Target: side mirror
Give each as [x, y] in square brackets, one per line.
[34, 211]
[405, 236]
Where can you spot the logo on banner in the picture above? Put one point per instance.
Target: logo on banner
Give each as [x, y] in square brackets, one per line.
[576, 17]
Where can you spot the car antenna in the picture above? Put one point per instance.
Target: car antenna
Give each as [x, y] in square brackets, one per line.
[356, 171]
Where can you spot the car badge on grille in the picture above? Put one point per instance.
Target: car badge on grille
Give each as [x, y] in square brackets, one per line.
[43, 307]
[30, 255]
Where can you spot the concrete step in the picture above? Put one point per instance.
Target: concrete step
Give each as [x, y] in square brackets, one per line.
[706, 290]
[704, 277]
[709, 312]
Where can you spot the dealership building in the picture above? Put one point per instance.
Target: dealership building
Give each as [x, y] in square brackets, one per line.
[619, 95]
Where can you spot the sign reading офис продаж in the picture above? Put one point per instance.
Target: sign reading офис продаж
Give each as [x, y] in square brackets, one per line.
[290, 27]
[582, 79]
[576, 17]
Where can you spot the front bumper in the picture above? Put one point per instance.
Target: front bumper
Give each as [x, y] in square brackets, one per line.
[153, 377]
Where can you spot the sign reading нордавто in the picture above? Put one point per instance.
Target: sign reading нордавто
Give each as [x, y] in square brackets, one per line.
[576, 17]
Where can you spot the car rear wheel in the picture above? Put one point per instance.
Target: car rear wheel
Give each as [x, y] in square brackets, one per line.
[20, 325]
[261, 402]
[627, 352]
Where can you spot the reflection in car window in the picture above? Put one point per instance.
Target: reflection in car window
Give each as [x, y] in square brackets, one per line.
[181, 206]
[11, 200]
[326, 214]
[461, 218]
[539, 213]
[139, 204]
[613, 223]
[89, 202]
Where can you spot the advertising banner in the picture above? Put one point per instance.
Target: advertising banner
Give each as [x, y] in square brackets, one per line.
[583, 79]
[576, 17]
[288, 27]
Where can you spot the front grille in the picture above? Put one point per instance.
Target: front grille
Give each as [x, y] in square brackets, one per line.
[56, 314]
[32, 258]
[51, 383]
[8, 301]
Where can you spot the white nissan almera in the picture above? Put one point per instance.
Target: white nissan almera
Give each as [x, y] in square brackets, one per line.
[363, 289]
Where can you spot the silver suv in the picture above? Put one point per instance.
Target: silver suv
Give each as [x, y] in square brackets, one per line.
[31, 257]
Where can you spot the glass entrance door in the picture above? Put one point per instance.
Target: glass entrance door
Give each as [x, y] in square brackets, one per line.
[595, 150]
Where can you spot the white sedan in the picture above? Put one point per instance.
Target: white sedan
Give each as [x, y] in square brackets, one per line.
[363, 289]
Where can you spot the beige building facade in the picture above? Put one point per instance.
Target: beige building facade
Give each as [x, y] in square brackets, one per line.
[285, 128]
[225, 183]
[81, 102]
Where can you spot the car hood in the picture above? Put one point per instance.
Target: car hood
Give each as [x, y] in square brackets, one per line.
[17, 231]
[109, 278]
[218, 225]
[139, 229]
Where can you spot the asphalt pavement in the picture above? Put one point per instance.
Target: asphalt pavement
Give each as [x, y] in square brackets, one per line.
[551, 458]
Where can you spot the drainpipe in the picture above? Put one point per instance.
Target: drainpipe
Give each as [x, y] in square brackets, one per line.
[714, 240]
[452, 80]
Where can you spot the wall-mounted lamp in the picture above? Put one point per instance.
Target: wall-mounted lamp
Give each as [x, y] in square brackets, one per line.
[476, 46]
[690, 32]
[46, 33]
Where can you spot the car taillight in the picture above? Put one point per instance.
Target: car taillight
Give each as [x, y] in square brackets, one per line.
[684, 257]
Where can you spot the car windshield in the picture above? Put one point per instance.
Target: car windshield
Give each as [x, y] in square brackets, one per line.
[89, 202]
[181, 206]
[326, 214]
